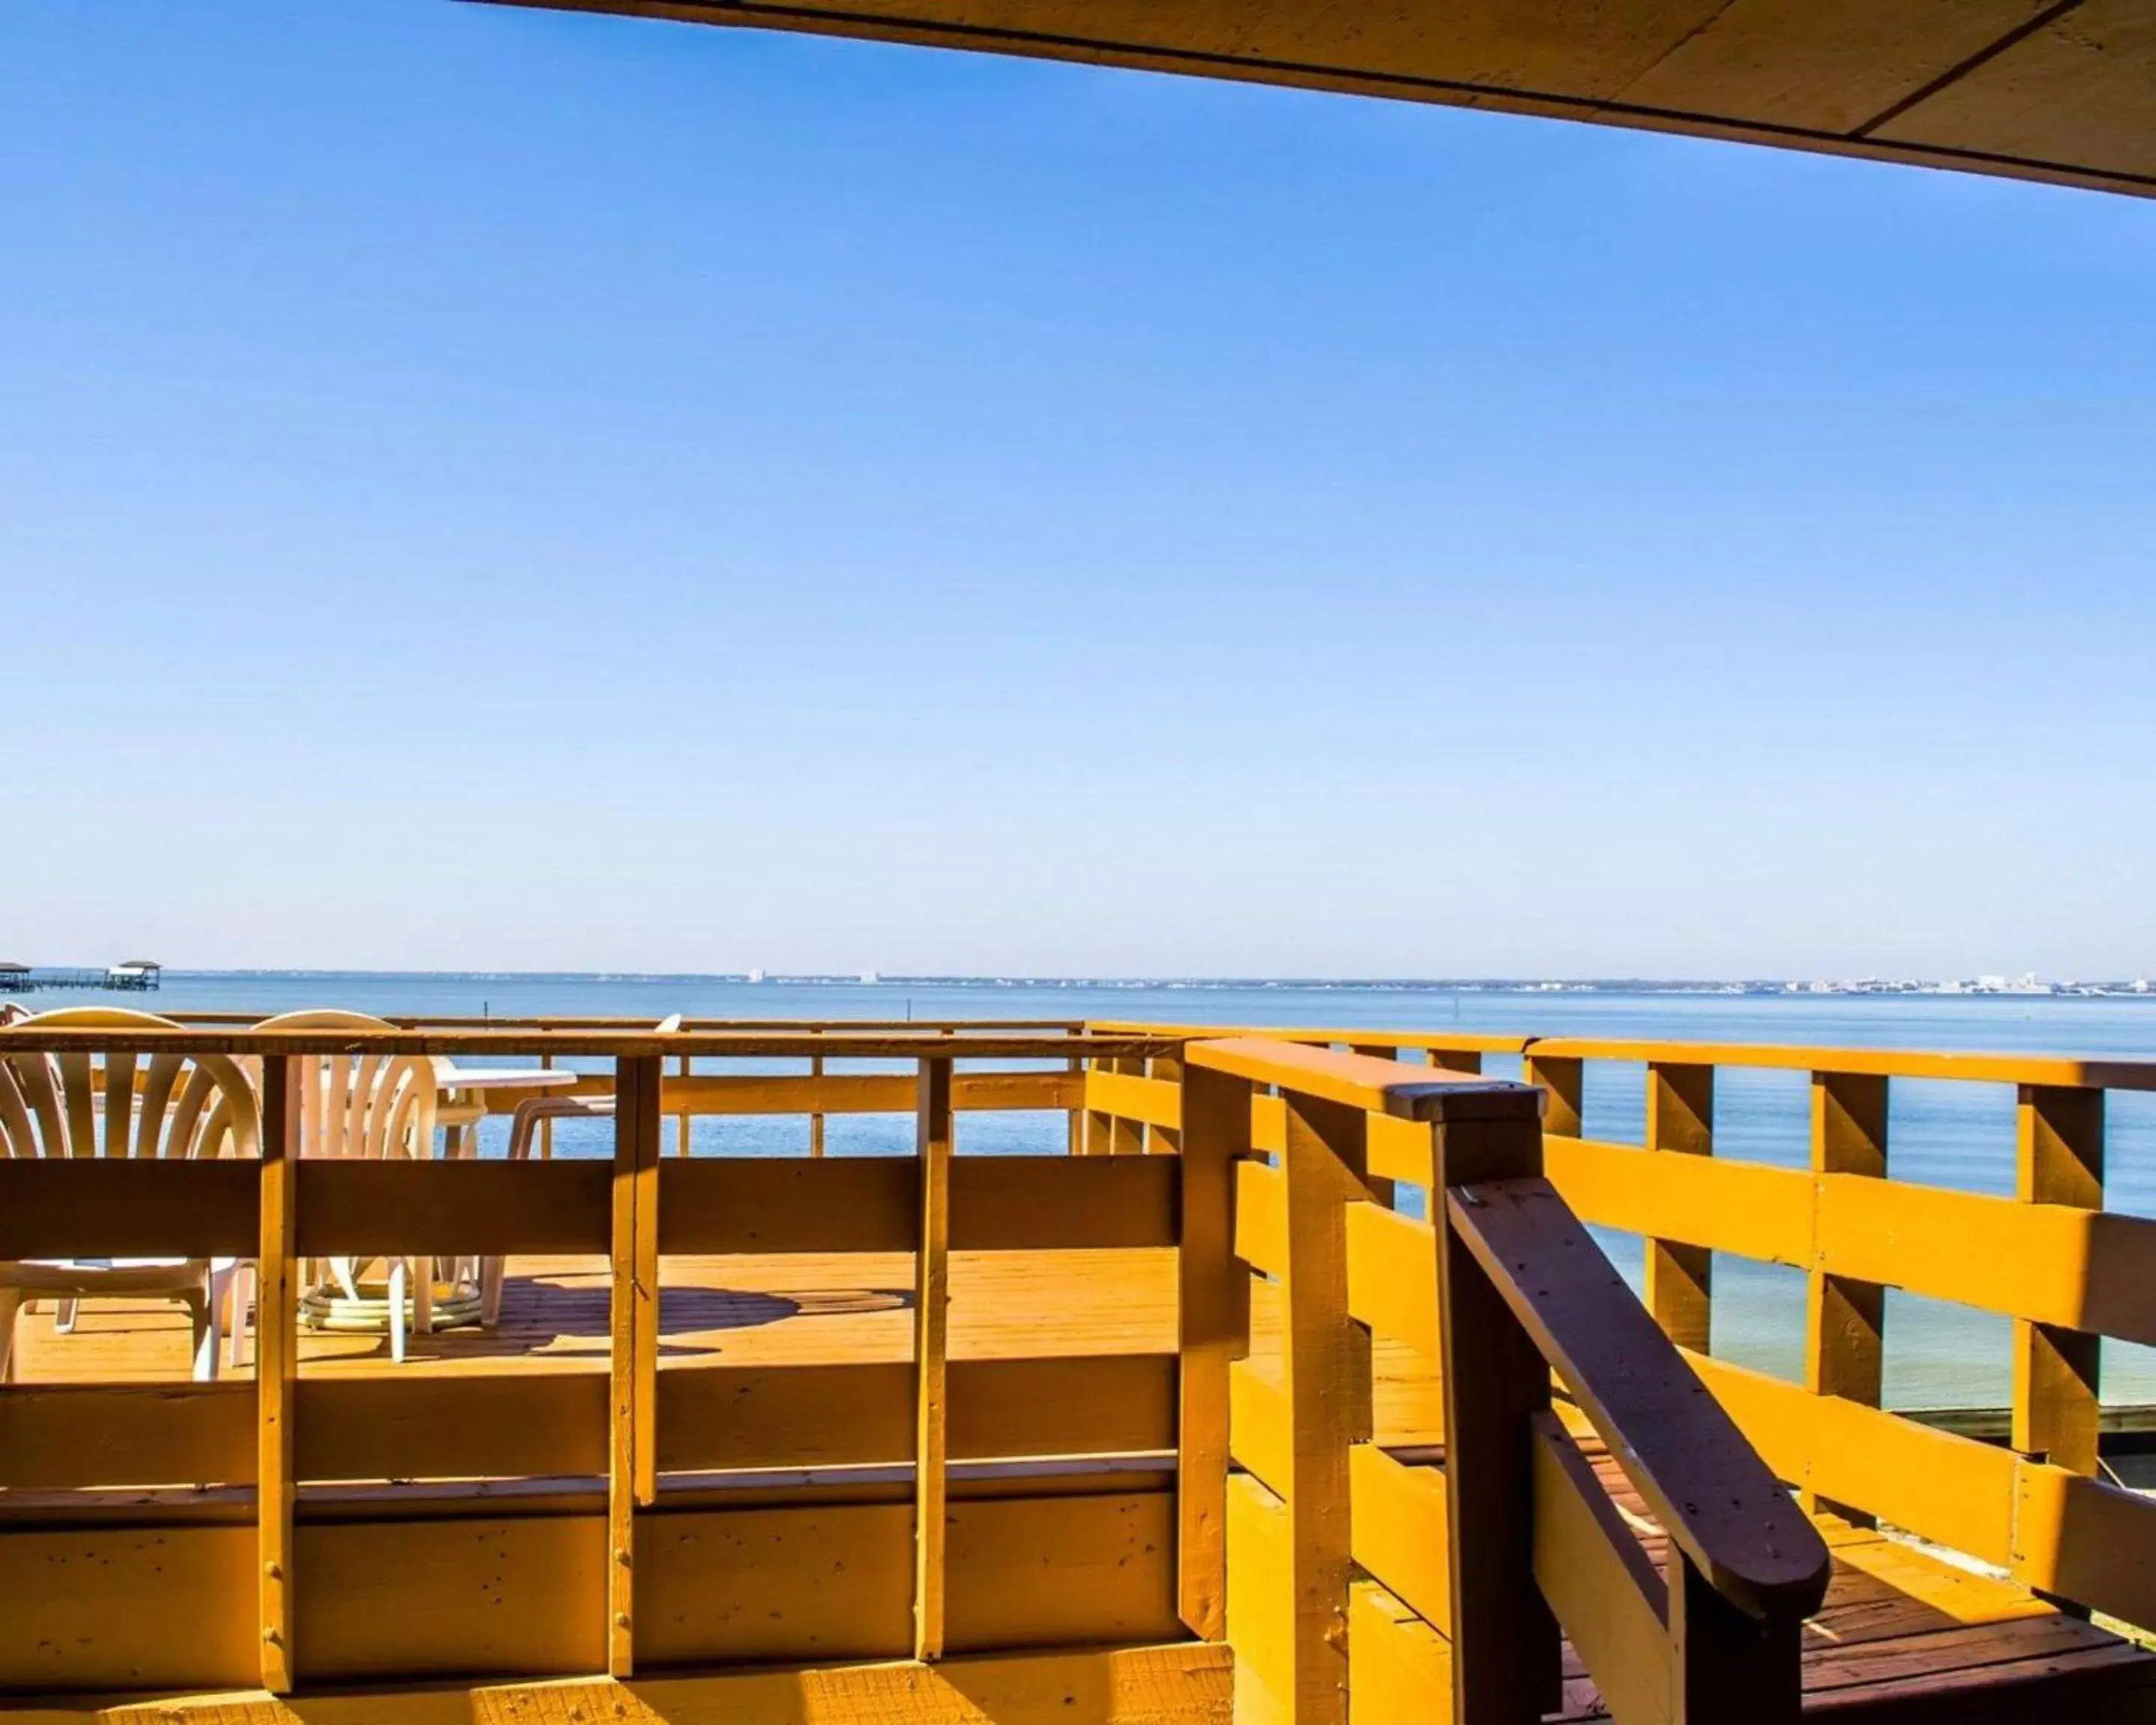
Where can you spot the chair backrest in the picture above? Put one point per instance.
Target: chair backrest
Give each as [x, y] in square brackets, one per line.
[362, 1104]
[165, 1106]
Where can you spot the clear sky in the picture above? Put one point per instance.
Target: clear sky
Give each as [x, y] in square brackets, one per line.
[486, 488]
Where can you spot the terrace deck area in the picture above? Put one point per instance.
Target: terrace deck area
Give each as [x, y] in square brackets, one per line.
[1901, 1634]
[1088, 1454]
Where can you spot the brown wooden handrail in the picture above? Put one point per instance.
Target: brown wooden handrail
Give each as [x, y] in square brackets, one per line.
[1706, 1485]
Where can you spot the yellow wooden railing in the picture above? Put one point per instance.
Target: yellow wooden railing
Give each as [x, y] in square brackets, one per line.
[2066, 1271]
[222, 1535]
[1338, 1568]
[299, 1529]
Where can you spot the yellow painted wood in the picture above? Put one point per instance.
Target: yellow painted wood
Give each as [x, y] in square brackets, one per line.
[1955, 1491]
[632, 1306]
[2058, 1162]
[1563, 1079]
[1746, 1208]
[1400, 1149]
[1325, 1371]
[1356, 1081]
[1213, 1330]
[1680, 1276]
[100, 1207]
[932, 1345]
[1400, 1669]
[276, 1377]
[1261, 1604]
[1885, 1063]
[2052, 1264]
[1260, 1216]
[118, 1608]
[1844, 1317]
[1268, 1124]
[459, 1596]
[1154, 1101]
[1392, 1278]
[2086, 1540]
[1261, 1429]
[1187, 1683]
[1591, 1568]
[1400, 1537]
[726, 1204]
[836, 1581]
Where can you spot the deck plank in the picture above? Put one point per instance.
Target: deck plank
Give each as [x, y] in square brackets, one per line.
[1906, 1637]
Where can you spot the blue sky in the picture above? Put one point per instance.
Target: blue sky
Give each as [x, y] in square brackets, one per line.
[491, 488]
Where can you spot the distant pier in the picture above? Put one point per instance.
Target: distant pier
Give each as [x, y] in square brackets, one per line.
[136, 976]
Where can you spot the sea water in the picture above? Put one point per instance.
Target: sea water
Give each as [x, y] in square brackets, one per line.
[1941, 1134]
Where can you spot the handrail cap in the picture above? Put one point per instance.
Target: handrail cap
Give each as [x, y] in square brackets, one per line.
[1380, 1087]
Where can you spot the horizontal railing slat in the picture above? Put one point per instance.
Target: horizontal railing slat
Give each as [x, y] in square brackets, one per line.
[1392, 1277]
[364, 1208]
[1597, 1579]
[100, 1207]
[2092, 1270]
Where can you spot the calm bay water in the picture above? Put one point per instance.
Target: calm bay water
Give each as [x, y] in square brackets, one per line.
[1954, 1135]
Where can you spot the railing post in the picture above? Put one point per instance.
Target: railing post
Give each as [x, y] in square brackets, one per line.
[932, 1321]
[816, 1116]
[1325, 1363]
[2059, 1160]
[1563, 1079]
[1679, 1278]
[1164, 1140]
[1725, 1667]
[1506, 1653]
[276, 1370]
[1844, 1321]
[632, 1470]
[1213, 1293]
[1126, 1137]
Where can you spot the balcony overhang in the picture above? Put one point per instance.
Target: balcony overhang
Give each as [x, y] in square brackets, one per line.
[2063, 92]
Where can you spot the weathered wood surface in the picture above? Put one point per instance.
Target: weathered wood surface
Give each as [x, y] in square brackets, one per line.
[1904, 1636]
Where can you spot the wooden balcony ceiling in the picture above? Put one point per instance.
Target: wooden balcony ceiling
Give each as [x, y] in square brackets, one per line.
[2062, 91]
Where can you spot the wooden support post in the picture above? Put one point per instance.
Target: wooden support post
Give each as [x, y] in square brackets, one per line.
[681, 1131]
[932, 1332]
[1325, 1365]
[816, 1119]
[1679, 1278]
[1844, 1321]
[547, 1121]
[632, 1470]
[1724, 1666]
[1215, 1295]
[276, 1369]
[2060, 1160]
[1506, 1652]
[1164, 1140]
[1564, 1078]
[1126, 1137]
[1076, 1113]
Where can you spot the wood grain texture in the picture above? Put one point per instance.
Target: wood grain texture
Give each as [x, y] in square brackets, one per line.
[931, 1348]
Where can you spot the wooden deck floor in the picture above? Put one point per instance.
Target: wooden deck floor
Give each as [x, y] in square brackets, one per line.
[1906, 1636]
[1903, 1635]
[800, 1309]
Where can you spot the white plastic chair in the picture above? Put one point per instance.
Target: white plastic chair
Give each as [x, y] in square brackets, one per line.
[378, 1107]
[523, 1133]
[166, 1106]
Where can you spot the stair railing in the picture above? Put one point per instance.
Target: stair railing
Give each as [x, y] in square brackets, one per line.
[1359, 1579]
